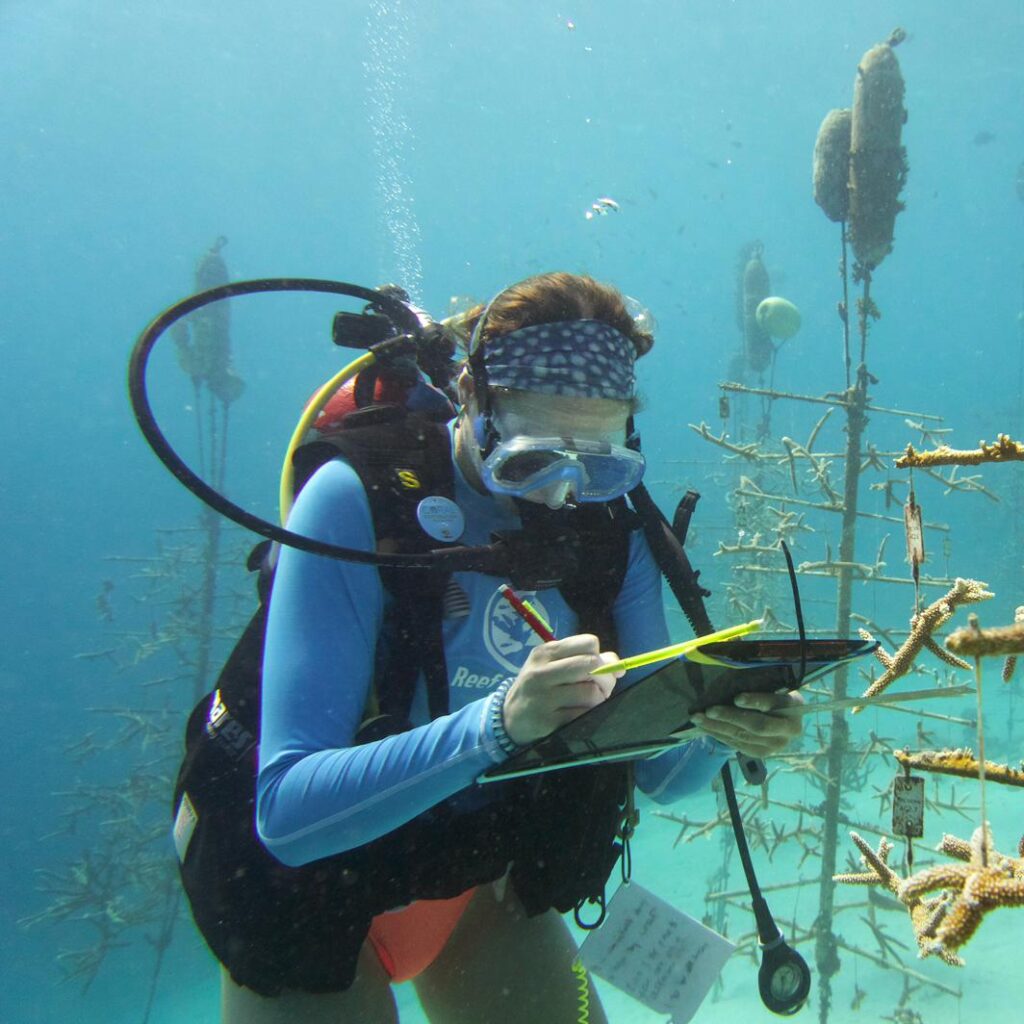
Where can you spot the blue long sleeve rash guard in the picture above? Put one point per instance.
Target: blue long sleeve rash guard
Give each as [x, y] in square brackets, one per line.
[318, 794]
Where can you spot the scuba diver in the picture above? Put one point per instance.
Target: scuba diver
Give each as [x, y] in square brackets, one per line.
[387, 692]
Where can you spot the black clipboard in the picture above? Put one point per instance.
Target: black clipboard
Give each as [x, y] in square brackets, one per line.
[654, 714]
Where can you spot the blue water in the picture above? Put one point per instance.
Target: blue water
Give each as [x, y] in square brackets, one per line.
[456, 148]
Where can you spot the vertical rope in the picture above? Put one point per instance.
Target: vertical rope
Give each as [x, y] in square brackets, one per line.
[981, 759]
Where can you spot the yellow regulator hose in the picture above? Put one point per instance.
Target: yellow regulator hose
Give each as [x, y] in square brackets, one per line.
[309, 414]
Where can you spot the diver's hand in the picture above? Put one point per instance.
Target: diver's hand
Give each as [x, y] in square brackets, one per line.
[750, 726]
[554, 686]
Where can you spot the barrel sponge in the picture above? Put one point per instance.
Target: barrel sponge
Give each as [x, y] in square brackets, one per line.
[878, 163]
[832, 164]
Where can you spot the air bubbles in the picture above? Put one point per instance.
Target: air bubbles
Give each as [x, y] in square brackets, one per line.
[389, 45]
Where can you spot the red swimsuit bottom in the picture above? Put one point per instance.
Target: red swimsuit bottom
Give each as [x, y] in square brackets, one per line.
[409, 940]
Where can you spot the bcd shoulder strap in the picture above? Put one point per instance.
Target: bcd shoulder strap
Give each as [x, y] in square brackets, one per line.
[400, 459]
[667, 547]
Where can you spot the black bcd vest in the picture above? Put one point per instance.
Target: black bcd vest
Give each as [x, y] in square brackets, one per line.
[556, 833]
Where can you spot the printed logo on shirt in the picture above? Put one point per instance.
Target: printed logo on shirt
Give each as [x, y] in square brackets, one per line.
[409, 479]
[507, 638]
[473, 681]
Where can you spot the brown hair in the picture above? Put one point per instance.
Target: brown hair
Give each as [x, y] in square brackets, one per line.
[550, 298]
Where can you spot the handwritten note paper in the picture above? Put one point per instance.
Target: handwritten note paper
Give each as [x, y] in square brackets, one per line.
[655, 953]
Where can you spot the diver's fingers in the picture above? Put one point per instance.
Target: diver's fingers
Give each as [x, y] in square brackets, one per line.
[568, 647]
[753, 723]
[580, 695]
[555, 685]
[767, 702]
[739, 740]
[579, 669]
[752, 732]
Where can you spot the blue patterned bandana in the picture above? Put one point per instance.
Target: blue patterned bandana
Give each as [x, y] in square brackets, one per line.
[579, 358]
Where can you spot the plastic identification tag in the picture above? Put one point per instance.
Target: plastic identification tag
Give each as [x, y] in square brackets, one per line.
[908, 806]
[655, 953]
[185, 822]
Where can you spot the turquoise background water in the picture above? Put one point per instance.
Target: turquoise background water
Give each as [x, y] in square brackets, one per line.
[455, 149]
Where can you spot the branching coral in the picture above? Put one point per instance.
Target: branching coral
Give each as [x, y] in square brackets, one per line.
[974, 642]
[960, 762]
[985, 879]
[922, 626]
[990, 879]
[1004, 450]
[922, 912]
[1010, 665]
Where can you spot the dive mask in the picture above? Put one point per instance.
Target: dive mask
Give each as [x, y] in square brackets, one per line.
[590, 470]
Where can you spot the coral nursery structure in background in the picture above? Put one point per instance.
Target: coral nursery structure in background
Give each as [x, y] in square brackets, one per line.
[164, 620]
[788, 489]
[961, 894]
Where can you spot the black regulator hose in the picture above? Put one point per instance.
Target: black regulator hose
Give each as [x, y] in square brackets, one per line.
[784, 979]
[404, 319]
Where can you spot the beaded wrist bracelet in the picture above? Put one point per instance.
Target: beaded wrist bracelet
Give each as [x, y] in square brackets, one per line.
[497, 720]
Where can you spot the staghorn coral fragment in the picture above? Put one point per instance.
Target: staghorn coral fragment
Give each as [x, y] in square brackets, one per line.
[865, 878]
[985, 890]
[925, 915]
[927, 924]
[877, 860]
[922, 625]
[960, 762]
[945, 656]
[750, 451]
[1011, 662]
[941, 876]
[983, 880]
[1004, 450]
[992, 641]
[954, 846]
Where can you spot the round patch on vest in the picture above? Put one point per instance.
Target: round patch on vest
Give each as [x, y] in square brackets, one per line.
[441, 518]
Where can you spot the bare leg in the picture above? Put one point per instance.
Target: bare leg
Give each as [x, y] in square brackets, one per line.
[368, 1001]
[501, 967]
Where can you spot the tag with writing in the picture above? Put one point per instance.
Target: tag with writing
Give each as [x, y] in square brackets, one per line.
[185, 822]
[655, 953]
[908, 806]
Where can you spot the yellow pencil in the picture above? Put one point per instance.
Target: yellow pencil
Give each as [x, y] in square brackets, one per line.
[533, 611]
[664, 653]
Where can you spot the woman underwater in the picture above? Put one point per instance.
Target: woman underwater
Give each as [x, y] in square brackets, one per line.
[457, 886]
